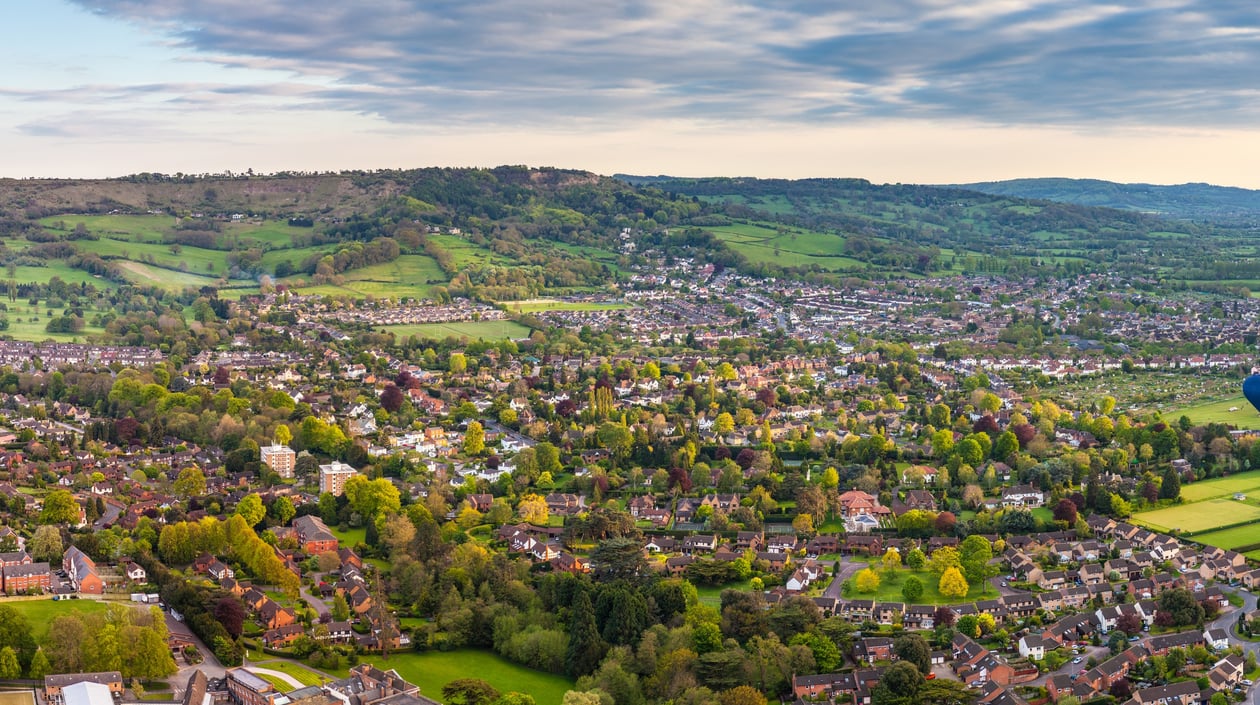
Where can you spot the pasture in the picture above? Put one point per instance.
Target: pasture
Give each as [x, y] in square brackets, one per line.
[473, 330]
[788, 247]
[1198, 516]
[536, 305]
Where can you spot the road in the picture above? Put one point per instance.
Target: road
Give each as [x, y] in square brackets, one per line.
[847, 568]
[314, 601]
[1226, 622]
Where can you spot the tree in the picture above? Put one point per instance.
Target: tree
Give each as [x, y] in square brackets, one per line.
[469, 691]
[1178, 608]
[372, 498]
[9, 666]
[340, 608]
[723, 424]
[391, 398]
[60, 507]
[803, 525]
[585, 648]
[891, 561]
[474, 438]
[283, 510]
[742, 695]
[915, 559]
[230, 612]
[866, 581]
[533, 509]
[968, 624]
[190, 483]
[974, 555]
[283, 435]
[1065, 511]
[944, 558]
[945, 523]
[899, 685]
[1170, 487]
[46, 544]
[953, 585]
[251, 509]
[458, 363]
[914, 649]
[912, 590]
[40, 666]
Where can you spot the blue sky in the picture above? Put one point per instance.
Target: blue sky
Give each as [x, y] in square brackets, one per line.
[1162, 91]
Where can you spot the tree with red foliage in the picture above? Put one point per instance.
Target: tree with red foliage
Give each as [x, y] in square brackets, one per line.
[1079, 500]
[1024, 433]
[945, 522]
[231, 614]
[986, 424]
[125, 430]
[406, 380]
[222, 375]
[1065, 510]
[680, 478]
[566, 408]
[1129, 624]
[943, 617]
[746, 458]
[391, 398]
[767, 396]
[1121, 690]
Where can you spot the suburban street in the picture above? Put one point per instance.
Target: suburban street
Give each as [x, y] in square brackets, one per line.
[1226, 622]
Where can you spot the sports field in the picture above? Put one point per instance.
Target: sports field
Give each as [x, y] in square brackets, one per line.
[473, 330]
[1235, 411]
[1248, 535]
[1198, 516]
[1222, 486]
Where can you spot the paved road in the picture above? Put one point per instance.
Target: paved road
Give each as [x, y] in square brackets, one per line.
[847, 568]
[1226, 622]
[313, 600]
[1100, 654]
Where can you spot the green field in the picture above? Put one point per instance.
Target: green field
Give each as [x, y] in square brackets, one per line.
[1242, 416]
[434, 669]
[788, 247]
[890, 591]
[20, 328]
[297, 671]
[1248, 535]
[349, 537]
[712, 594]
[1221, 486]
[488, 330]
[536, 305]
[41, 613]
[1198, 516]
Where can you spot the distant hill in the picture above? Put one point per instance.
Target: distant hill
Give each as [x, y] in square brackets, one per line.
[1184, 201]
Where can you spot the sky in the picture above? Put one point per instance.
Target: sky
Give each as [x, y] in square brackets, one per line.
[911, 91]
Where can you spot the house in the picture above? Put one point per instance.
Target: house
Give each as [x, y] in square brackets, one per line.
[26, 578]
[1216, 639]
[282, 636]
[1226, 673]
[873, 648]
[273, 616]
[313, 534]
[1162, 644]
[1183, 693]
[134, 572]
[1033, 646]
[81, 571]
[55, 685]
[248, 689]
[1022, 496]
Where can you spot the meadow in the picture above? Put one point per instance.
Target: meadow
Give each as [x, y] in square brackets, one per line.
[433, 669]
[536, 305]
[788, 247]
[1243, 415]
[1221, 486]
[1238, 537]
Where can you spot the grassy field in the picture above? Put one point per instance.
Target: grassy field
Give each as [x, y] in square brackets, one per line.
[349, 537]
[297, 671]
[1232, 538]
[1198, 516]
[146, 275]
[890, 591]
[712, 594]
[41, 613]
[489, 330]
[281, 684]
[535, 305]
[1243, 415]
[17, 697]
[1221, 486]
[434, 669]
[788, 247]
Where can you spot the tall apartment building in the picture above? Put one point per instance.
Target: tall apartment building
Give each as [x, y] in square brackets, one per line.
[332, 477]
[281, 459]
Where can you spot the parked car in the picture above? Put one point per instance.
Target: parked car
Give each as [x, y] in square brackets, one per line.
[1078, 659]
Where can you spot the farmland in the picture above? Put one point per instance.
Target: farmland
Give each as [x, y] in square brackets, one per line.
[536, 305]
[1235, 411]
[1221, 486]
[788, 247]
[1237, 537]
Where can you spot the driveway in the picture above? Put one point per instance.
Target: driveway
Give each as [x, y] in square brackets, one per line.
[847, 569]
[1100, 654]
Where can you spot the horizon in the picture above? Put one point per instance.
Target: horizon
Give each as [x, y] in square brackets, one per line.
[914, 91]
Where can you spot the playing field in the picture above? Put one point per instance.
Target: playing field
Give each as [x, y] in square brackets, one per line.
[1248, 535]
[17, 697]
[41, 613]
[473, 330]
[1221, 486]
[434, 669]
[1243, 415]
[1198, 516]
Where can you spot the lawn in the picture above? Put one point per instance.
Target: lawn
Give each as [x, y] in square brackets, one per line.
[489, 330]
[301, 673]
[41, 613]
[1248, 535]
[1198, 516]
[350, 537]
[890, 591]
[712, 594]
[434, 669]
[1242, 416]
[1221, 486]
[20, 328]
[280, 684]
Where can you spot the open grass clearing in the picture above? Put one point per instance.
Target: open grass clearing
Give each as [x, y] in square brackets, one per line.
[1221, 486]
[1198, 516]
[21, 328]
[473, 330]
[433, 669]
[535, 305]
[1248, 535]
[1235, 411]
[890, 590]
[41, 613]
[296, 671]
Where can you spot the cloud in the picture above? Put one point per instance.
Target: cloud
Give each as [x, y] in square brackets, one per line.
[548, 62]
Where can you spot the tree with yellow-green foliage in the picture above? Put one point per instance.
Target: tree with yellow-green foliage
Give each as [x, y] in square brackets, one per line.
[953, 585]
[867, 581]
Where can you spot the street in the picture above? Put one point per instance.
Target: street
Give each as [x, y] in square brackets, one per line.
[1226, 622]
